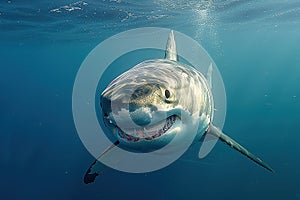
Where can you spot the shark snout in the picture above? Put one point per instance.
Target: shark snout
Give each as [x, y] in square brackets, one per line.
[131, 115]
[141, 103]
[141, 116]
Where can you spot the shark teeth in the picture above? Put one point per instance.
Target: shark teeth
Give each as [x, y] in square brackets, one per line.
[147, 133]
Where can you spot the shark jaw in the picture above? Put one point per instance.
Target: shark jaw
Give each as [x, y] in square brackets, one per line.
[154, 131]
[151, 132]
[172, 129]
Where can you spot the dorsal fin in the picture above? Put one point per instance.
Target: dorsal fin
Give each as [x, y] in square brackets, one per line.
[171, 51]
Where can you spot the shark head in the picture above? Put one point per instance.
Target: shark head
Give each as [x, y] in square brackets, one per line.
[145, 107]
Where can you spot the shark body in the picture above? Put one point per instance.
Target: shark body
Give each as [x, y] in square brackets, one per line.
[145, 107]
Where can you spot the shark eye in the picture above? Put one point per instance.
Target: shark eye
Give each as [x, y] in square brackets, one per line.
[167, 94]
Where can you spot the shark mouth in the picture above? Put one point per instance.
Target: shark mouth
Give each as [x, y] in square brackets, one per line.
[147, 133]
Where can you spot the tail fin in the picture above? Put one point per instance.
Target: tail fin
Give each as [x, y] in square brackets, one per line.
[209, 75]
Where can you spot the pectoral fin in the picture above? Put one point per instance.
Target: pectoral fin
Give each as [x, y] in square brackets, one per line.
[233, 144]
[97, 167]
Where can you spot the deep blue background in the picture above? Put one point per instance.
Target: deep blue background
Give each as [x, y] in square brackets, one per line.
[255, 45]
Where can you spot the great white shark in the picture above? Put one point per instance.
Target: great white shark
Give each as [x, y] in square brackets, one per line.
[145, 107]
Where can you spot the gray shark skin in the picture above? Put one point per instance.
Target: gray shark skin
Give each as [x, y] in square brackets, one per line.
[145, 107]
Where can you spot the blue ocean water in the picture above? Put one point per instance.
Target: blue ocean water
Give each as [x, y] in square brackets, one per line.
[255, 45]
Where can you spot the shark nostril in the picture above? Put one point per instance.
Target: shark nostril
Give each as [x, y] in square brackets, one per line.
[105, 115]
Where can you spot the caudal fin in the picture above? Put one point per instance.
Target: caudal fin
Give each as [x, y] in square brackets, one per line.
[209, 75]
